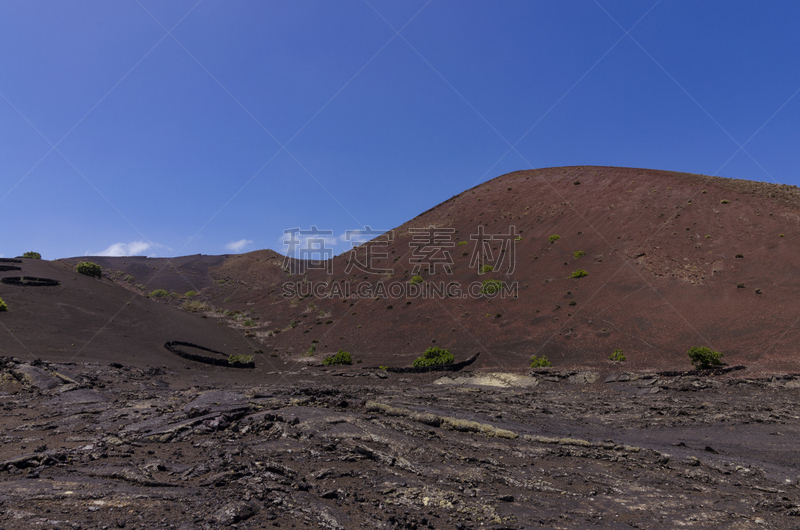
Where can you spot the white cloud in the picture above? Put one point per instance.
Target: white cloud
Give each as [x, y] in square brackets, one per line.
[237, 246]
[134, 248]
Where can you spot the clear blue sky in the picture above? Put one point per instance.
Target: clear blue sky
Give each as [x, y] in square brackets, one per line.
[183, 127]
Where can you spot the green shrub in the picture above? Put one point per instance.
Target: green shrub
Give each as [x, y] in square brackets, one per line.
[196, 306]
[433, 356]
[540, 362]
[158, 293]
[416, 280]
[244, 359]
[249, 323]
[461, 243]
[89, 268]
[580, 273]
[342, 357]
[128, 278]
[174, 295]
[3, 305]
[578, 254]
[384, 368]
[703, 357]
[554, 238]
[618, 356]
[32, 255]
[312, 349]
[724, 201]
[491, 286]
[190, 294]
[486, 268]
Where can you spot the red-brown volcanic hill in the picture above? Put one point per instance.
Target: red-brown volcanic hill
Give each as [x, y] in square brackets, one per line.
[661, 249]
[84, 319]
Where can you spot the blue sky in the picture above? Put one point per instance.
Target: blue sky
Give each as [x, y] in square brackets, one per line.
[183, 127]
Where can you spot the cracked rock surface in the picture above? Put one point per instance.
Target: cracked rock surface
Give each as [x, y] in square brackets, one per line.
[98, 446]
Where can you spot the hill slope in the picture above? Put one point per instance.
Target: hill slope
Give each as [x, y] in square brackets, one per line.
[84, 319]
[674, 260]
[663, 275]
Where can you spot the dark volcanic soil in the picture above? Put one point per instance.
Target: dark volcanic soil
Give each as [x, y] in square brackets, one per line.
[86, 319]
[99, 446]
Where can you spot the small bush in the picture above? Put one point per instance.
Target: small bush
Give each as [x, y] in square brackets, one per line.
[312, 349]
[3, 305]
[724, 201]
[703, 357]
[416, 280]
[461, 243]
[384, 368]
[540, 362]
[491, 286]
[196, 306]
[580, 273]
[128, 278]
[244, 359]
[89, 268]
[249, 323]
[554, 238]
[578, 253]
[32, 255]
[158, 293]
[190, 294]
[342, 357]
[434, 356]
[573, 302]
[740, 256]
[486, 268]
[618, 356]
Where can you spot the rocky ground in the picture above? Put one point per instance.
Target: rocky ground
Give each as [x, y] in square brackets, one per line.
[114, 446]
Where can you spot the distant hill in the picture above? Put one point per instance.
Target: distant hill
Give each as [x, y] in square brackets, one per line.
[83, 319]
